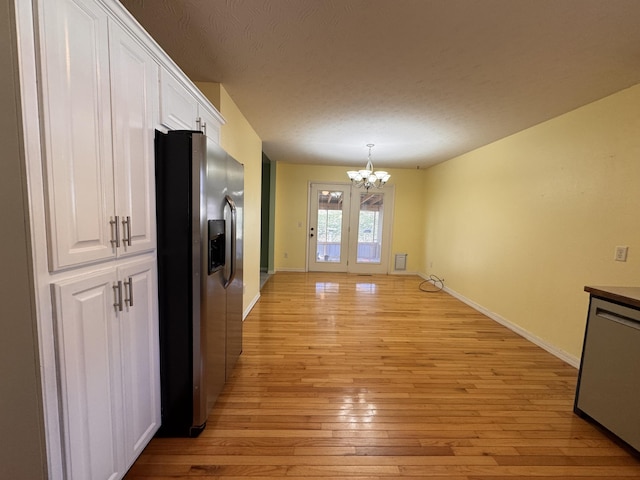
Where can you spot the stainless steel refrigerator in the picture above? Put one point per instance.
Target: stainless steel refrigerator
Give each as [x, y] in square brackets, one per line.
[199, 201]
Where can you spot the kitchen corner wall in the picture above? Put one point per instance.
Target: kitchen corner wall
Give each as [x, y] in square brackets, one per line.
[239, 139]
[520, 226]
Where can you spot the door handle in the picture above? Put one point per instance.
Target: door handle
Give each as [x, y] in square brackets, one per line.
[129, 289]
[117, 292]
[126, 227]
[232, 241]
[116, 224]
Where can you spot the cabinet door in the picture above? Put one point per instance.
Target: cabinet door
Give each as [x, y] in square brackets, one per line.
[178, 108]
[89, 353]
[140, 357]
[134, 93]
[77, 128]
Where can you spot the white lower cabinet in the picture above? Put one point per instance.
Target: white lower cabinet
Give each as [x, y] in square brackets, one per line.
[107, 336]
[140, 356]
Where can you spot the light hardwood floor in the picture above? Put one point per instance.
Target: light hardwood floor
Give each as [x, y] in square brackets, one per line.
[367, 377]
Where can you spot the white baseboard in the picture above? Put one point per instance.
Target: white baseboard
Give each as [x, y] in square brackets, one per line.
[300, 270]
[561, 354]
[251, 305]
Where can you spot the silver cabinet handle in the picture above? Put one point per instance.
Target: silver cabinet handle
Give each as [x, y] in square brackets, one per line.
[114, 223]
[126, 230]
[201, 126]
[117, 292]
[129, 289]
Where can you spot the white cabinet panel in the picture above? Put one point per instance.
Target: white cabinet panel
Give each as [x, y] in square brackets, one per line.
[178, 108]
[75, 63]
[140, 356]
[134, 93]
[90, 376]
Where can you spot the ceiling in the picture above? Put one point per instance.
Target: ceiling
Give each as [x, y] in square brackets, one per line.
[423, 80]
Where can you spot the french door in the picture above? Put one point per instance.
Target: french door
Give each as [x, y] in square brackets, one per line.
[349, 228]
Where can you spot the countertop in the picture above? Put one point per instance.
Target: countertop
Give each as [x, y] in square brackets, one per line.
[629, 296]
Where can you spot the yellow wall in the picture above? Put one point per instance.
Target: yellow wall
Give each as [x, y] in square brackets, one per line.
[239, 140]
[292, 184]
[522, 225]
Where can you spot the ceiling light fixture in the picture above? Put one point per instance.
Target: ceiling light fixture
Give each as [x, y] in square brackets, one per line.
[367, 178]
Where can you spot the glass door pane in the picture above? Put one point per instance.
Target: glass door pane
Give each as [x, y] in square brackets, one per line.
[329, 235]
[371, 218]
[370, 228]
[329, 212]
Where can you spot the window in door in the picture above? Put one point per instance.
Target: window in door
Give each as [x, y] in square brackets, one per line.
[370, 228]
[329, 234]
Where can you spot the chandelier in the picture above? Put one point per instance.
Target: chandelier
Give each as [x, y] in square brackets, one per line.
[367, 178]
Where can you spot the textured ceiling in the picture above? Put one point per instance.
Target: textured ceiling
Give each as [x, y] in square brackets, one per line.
[423, 80]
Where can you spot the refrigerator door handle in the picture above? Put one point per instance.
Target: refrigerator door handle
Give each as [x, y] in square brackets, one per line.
[232, 250]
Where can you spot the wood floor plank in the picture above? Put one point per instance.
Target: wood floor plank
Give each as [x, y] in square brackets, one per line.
[367, 377]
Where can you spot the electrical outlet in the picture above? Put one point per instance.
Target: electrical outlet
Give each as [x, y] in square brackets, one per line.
[286, 255]
[621, 254]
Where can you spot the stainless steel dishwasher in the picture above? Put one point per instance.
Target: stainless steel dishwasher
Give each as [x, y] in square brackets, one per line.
[608, 388]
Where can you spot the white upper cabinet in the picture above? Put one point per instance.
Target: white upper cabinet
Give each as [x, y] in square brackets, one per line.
[209, 124]
[135, 99]
[178, 108]
[77, 131]
[100, 102]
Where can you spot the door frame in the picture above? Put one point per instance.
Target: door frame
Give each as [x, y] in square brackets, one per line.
[344, 246]
[384, 267]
